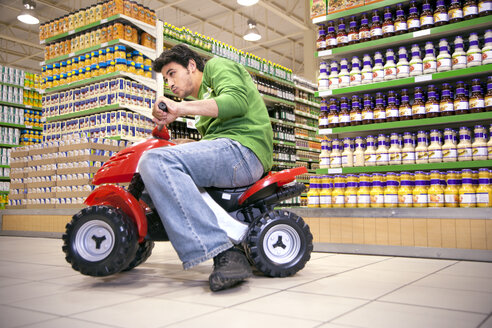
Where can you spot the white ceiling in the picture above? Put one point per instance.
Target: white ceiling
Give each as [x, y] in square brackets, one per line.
[282, 25]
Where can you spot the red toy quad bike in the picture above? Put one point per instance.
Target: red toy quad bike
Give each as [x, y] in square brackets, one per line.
[118, 229]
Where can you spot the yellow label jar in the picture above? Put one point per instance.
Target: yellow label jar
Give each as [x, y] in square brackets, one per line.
[364, 192]
[377, 191]
[313, 193]
[484, 190]
[351, 191]
[405, 191]
[436, 192]
[391, 190]
[325, 194]
[119, 52]
[131, 67]
[148, 72]
[120, 65]
[338, 193]
[420, 193]
[110, 66]
[467, 193]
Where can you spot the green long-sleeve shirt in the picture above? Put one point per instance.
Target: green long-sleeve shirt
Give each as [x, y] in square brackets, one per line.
[242, 113]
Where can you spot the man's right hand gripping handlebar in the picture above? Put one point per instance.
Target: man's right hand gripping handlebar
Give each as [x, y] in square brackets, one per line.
[161, 131]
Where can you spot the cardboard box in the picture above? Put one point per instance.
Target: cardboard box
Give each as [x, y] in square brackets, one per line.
[76, 206]
[41, 151]
[335, 6]
[368, 2]
[89, 145]
[41, 195]
[318, 8]
[82, 158]
[17, 175]
[350, 4]
[78, 170]
[72, 194]
[44, 161]
[42, 184]
[40, 173]
[15, 153]
[17, 196]
[18, 164]
[77, 182]
[14, 186]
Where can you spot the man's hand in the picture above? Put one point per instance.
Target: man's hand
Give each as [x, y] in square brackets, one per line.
[164, 118]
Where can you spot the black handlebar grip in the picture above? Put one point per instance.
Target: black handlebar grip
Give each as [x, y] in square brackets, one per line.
[162, 106]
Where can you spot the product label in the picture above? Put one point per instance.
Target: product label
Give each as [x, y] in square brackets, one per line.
[313, 200]
[468, 198]
[355, 78]
[477, 103]
[474, 57]
[486, 56]
[393, 112]
[344, 80]
[354, 117]
[377, 199]
[430, 65]
[367, 77]
[482, 197]
[484, 6]
[418, 109]
[324, 200]
[413, 23]
[390, 198]
[441, 17]
[353, 37]
[345, 118]
[324, 161]
[447, 106]
[461, 105]
[333, 84]
[421, 198]
[455, 13]
[338, 199]
[382, 157]
[323, 84]
[335, 161]
[465, 154]
[321, 44]
[367, 115]
[426, 20]
[323, 121]
[451, 198]
[378, 74]
[416, 68]
[342, 39]
[370, 159]
[389, 72]
[402, 70]
[479, 151]
[380, 114]
[344, 159]
[443, 63]
[436, 198]
[331, 42]
[405, 199]
[401, 26]
[333, 119]
[363, 199]
[459, 60]
[405, 111]
[451, 154]
[364, 35]
[422, 155]
[351, 199]
[378, 31]
[488, 101]
[388, 29]
[395, 158]
[470, 10]
[432, 108]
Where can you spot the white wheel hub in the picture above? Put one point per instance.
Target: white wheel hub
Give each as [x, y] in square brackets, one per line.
[281, 243]
[94, 240]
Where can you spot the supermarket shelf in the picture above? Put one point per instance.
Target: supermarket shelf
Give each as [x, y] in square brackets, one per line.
[8, 146]
[309, 149]
[284, 163]
[274, 100]
[4, 192]
[4, 178]
[407, 167]
[304, 89]
[413, 81]
[144, 80]
[19, 86]
[144, 26]
[304, 114]
[172, 42]
[20, 126]
[308, 138]
[128, 138]
[355, 11]
[144, 50]
[307, 102]
[282, 142]
[5, 166]
[431, 34]
[274, 120]
[307, 127]
[19, 105]
[302, 159]
[413, 124]
[136, 109]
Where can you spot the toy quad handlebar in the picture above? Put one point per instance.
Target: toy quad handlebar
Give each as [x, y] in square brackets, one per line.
[161, 132]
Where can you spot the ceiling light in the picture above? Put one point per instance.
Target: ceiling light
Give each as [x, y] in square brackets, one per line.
[247, 2]
[252, 33]
[27, 14]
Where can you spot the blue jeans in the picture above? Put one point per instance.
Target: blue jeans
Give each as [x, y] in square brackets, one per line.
[172, 176]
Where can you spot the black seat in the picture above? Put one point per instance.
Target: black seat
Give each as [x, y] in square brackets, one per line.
[227, 198]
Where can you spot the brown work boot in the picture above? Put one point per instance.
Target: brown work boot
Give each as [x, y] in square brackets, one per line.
[230, 268]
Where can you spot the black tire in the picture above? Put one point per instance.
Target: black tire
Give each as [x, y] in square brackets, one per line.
[143, 253]
[279, 243]
[100, 241]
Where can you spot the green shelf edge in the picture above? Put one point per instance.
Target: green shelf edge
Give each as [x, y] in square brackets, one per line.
[83, 82]
[81, 52]
[358, 10]
[84, 113]
[415, 80]
[9, 146]
[277, 100]
[274, 120]
[282, 142]
[19, 126]
[20, 105]
[410, 123]
[407, 36]
[411, 167]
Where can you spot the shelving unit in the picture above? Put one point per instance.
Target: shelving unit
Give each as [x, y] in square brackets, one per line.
[355, 11]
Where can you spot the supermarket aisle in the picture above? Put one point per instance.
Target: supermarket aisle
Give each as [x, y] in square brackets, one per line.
[39, 289]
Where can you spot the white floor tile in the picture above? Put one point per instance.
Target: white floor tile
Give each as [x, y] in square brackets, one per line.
[12, 317]
[389, 315]
[439, 280]
[301, 305]
[470, 269]
[66, 323]
[408, 264]
[27, 291]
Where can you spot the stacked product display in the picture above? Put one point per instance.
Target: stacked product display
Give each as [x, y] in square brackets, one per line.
[406, 92]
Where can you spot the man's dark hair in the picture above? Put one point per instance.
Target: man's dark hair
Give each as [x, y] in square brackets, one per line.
[180, 54]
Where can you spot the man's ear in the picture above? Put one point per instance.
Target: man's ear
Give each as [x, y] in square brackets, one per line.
[192, 65]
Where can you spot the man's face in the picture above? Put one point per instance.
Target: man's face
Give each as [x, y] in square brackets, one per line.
[178, 78]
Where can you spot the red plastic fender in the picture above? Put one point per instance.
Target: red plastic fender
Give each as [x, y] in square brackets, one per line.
[280, 178]
[120, 198]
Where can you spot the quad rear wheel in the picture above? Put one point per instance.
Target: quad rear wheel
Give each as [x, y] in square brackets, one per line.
[100, 241]
[279, 243]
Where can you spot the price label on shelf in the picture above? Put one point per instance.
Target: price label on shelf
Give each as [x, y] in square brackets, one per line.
[324, 53]
[422, 33]
[335, 171]
[423, 78]
[71, 32]
[105, 44]
[104, 20]
[190, 123]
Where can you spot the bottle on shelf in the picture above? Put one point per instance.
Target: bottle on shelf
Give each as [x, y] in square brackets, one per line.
[344, 114]
[405, 109]
[355, 112]
[323, 116]
[338, 193]
[379, 110]
[376, 27]
[390, 66]
[464, 147]
[474, 54]
[488, 95]
[403, 66]
[355, 75]
[388, 23]
[451, 197]
[382, 156]
[489, 143]
[484, 190]
[421, 151]
[413, 20]
[470, 9]
[432, 107]
[378, 69]
[351, 191]
[343, 75]
[335, 154]
[391, 190]
[416, 64]
[476, 101]
[418, 106]
[353, 33]
[430, 62]
[420, 191]
[377, 191]
[313, 193]
[324, 156]
[342, 39]
[401, 20]
[487, 47]
[405, 190]
[427, 15]
[459, 59]
[461, 102]
[484, 7]
[363, 194]
[323, 82]
[395, 152]
[366, 70]
[333, 117]
[370, 152]
[364, 30]
[435, 149]
[359, 156]
[435, 192]
[467, 192]
[392, 111]
[333, 77]
[325, 193]
[446, 104]
[441, 16]
[444, 62]
[479, 145]
[321, 41]
[347, 154]
[331, 36]
[449, 150]
[367, 111]
[455, 11]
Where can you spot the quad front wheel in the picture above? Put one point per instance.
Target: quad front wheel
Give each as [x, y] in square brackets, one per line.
[100, 241]
[279, 243]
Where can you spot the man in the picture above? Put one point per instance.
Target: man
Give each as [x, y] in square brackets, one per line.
[235, 150]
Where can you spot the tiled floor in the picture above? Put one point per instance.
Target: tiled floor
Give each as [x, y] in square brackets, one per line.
[39, 289]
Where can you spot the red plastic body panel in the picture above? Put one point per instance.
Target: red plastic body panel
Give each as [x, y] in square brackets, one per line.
[121, 167]
[118, 197]
[280, 178]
